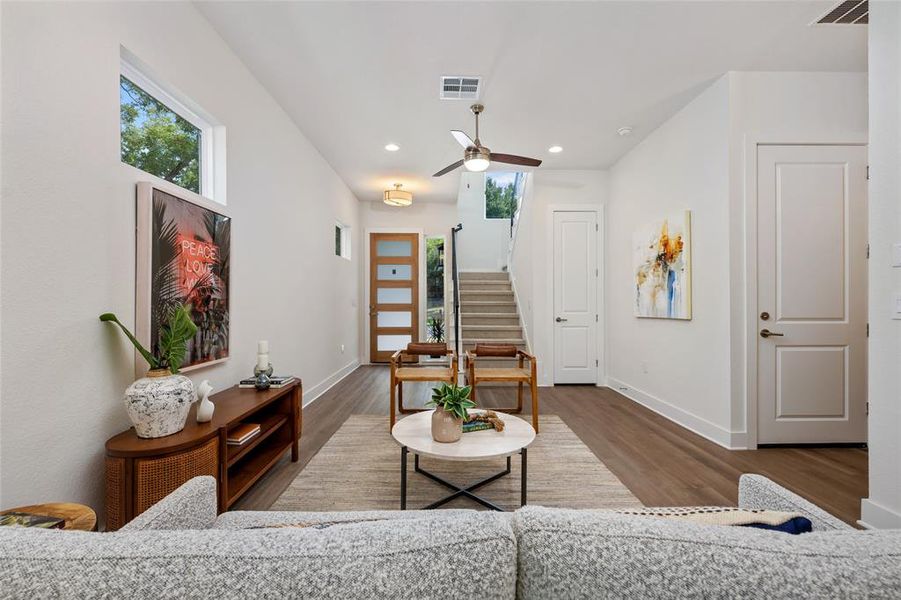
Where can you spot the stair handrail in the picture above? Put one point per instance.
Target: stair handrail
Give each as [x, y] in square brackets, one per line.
[455, 276]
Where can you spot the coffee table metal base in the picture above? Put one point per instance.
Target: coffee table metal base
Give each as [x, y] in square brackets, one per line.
[466, 492]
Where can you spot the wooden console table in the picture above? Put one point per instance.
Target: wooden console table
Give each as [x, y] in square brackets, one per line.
[141, 472]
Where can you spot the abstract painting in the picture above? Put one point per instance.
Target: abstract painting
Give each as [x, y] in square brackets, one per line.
[661, 263]
[184, 243]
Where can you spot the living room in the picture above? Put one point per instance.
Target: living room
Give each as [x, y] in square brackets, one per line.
[323, 225]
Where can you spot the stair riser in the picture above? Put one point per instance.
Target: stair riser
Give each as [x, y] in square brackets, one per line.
[475, 276]
[477, 307]
[486, 297]
[472, 286]
[500, 319]
[503, 334]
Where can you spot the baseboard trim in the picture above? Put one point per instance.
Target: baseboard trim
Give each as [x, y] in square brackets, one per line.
[876, 516]
[731, 440]
[313, 393]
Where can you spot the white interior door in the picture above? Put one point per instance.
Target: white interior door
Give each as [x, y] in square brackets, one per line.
[575, 297]
[812, 282]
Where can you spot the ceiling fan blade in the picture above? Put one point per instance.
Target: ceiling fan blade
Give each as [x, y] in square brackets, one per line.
[463, 139]
[449, 168]
[512, 159]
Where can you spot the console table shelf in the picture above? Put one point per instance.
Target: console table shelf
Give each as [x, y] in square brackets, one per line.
[140, 472]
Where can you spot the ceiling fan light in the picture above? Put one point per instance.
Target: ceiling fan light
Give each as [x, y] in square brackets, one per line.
[476, 160]
[398, 197]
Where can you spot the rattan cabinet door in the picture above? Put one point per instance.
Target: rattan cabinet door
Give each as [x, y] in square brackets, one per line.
[155, 478]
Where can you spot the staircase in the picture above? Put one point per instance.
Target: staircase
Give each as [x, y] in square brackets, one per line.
[488, 312]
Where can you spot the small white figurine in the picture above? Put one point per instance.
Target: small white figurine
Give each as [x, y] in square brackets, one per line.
[206, 407]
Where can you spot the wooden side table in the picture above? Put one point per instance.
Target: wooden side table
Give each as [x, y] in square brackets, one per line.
[141, 472]
[78, 516]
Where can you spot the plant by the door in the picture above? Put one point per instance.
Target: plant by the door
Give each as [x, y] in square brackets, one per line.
[158, 404]
[451, 404]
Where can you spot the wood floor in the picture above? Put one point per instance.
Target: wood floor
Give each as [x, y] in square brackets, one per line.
[659, 461]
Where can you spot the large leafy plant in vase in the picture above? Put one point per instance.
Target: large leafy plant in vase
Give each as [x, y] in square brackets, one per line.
[452, 404]
[158, 404]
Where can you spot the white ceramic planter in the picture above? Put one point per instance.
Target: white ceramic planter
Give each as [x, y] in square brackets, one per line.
[446, 428]
[158, 404]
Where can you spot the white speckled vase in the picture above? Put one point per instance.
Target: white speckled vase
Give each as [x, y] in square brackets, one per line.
[158, 404]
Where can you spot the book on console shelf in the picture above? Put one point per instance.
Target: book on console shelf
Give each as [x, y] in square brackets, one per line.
[242, 433]
[275, 382]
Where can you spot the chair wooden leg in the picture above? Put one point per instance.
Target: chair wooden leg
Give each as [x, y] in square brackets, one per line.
[400, 397]
[519, 397]
[393, 407]
[534, 390]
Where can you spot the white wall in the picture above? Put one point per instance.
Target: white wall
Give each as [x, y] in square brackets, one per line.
[531, 268]
[68, 233]
[883, 506]
[697, 161]
[680, 368]
[427, 218]
[483, 242]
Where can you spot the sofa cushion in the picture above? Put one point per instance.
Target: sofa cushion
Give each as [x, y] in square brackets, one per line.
[467, 556]
[596, 554]
[257, 519]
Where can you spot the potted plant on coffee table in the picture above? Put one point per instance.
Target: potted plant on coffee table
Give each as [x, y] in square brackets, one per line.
[158, 404]
[451, 404]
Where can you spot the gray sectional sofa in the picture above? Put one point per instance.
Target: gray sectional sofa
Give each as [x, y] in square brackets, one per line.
[181, 549]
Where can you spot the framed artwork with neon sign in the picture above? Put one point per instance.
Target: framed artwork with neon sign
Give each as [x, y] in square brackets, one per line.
[183, 256]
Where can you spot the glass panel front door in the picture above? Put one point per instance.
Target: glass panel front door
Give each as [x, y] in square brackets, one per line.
[393, 293]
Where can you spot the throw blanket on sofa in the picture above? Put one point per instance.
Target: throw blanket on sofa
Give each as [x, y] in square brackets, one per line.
[788, 522]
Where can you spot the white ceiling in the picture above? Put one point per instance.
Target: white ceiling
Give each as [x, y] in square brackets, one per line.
[356, 76]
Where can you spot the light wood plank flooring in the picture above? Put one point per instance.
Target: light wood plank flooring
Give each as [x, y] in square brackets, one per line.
[662, 463]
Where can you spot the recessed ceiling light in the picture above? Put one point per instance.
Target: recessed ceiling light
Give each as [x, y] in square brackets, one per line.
[624, 131]
[392, 147]
[555, 149]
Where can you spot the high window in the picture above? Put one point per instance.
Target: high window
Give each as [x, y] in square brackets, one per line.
[342, 241]
[161, 136]
[503, 191]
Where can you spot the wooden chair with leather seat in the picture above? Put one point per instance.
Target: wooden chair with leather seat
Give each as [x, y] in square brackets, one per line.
[520, 374]
[400, 373]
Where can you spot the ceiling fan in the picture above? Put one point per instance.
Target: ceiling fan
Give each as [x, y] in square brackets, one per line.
[476, 156]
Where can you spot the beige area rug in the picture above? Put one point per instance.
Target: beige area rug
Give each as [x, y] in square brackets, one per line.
[359, 469]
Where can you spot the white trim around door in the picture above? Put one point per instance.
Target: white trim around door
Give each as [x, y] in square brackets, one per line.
[751, 144]
[550, 358]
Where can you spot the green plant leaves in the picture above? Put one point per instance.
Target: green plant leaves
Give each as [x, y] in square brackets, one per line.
[453, 399]
[151, 360]
[174, 336]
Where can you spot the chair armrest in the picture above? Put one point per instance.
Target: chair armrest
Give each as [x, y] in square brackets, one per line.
[526, 355]
[756, 492]
[397, 359]
[452, 361]
[191, 506]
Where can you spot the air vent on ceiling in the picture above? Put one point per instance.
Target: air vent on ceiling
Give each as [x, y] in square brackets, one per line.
[850, 12]
[459, 88]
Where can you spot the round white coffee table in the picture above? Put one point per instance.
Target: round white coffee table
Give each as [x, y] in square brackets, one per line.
[414, 434]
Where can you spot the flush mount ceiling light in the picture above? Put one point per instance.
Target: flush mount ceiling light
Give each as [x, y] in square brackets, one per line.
[624, 131]
[555, 149]
[392, 147]
[398, 197]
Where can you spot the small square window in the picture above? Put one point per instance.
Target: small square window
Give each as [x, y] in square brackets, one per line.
[342, 241]
[503, 191]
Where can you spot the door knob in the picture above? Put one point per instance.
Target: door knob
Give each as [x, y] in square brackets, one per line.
[560, 319]
[765, 333]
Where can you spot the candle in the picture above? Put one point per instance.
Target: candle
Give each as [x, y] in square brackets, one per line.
[263, 347]
[263, 361]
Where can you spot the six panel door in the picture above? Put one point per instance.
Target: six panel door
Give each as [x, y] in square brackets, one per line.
[812, 298]
[393, 293]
